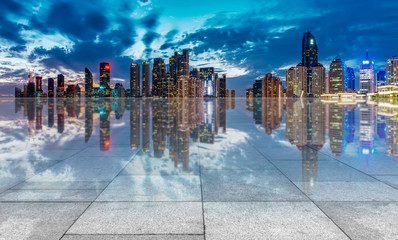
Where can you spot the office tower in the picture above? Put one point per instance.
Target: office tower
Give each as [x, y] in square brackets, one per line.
[135, 80]
[223, 86]
[168, 88]
[39, 82]
[183, 86]
[158, 73]
[50, 87]
[350, 76]
[258, 89]
[70, 91]
[88, 83]
[337, 76]
[207, 77]
[146, 79]
[366, 75]
[309, 51]
[146, 127]
[105, 78]
[381, 78]
[60, 85]
[270, 86]
[119, 91]
[309, 58]
[31, 90]
[185, 63]
[296, 81]
[318, 80]
[392, 71]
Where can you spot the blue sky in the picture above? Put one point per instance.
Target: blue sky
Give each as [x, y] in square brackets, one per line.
[245, 39]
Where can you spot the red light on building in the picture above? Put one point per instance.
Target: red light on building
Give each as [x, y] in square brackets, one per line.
[107, 143]
[107, 67]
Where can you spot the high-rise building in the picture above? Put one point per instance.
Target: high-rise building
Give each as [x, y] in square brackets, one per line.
[337, 76]
[309, 58]
[105, 78]
[60, 85]
[185, 62]
[350, 82]
[381, 78]
[296, 81]
[207, 77]
[50, 87]
[258, 89]
[270, 86]
[183, 86]
[158, 73]
[39, 83]
[366, 75]
[146, 79]
[223, 86]
[88, 83]
[392, 71]
[135, 80]
[318, 80]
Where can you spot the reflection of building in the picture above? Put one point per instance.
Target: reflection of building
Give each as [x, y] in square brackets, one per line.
[60, 115]
[146, 127]
[135, 122]
[366, 129]
[392, 136]
[336, 129]
[105, 124]
[50, 112]
[88, 120]
[207, 77]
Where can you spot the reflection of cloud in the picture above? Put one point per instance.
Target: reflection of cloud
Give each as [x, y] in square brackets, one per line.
[64, 175]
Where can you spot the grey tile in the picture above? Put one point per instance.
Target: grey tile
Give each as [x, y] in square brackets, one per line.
[268, 221]
[140, 218]
[321, 171]
[390, 180]
[49, 195]
[364, 220]
[133, 237]
[348, 191]
[62, 185]
[114, 151]
[37, 221]
[267, 185]
[153, 188]
[288, 153]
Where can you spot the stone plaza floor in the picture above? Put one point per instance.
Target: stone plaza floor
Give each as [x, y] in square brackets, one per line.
[197, 169]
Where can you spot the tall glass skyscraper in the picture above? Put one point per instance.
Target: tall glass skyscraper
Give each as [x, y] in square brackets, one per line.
[135, 80]
[350, 79]
[146, 78]
[366, 75]
[392, 71]
[309, 57]
[105, 78]
[88, 80]
[381, 78]
[337, 76]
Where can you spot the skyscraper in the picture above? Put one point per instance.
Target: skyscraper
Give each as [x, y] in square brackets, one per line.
[258, 89]
[296, 81]
[135, 80]
[39, 83]
[366, 75]
[350, 76]
[50, 87]
[146, 79]
[105, 78]
[337, 76]
[60, 85]
[309, 58]
[185, 62]
[158, 73]
[88, 81]
[223, 86]
[207, 77]
[392, 71]
[318, 80]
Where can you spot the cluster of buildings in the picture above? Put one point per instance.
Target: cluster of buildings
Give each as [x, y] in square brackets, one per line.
[309, 78]
[172, 80]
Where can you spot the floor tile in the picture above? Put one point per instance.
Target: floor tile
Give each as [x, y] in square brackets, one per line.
[62, 185]
[133, 237]
[49, 195]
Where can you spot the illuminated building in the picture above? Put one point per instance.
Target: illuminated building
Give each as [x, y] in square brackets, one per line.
[168, 88]
[392, 71]
[118, 91]
[381, 78]
[60, 85]
[158, 73]
[337, 74]
[105, 78]
[296, 81]
[183, 86]
[185, 62]
[350, 79]
[223, 86]
[50, 87]
[135, 124]
[271, 86]
[39, 83]
[135, 80]
[258, 89]
[366, 75]
[318, 80]
[392, 136]
[146, 79]
[309, 58]
[88, 83]
[207, 77]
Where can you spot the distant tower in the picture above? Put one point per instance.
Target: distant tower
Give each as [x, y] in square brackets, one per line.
[105, 78]
[146, 79]
[135, 80]
[366, 75]
[88, 80]
[309, 58]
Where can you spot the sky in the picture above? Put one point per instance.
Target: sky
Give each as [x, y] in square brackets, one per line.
[244, 39]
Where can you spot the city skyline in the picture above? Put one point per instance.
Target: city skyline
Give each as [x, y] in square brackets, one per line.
[269, 44]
